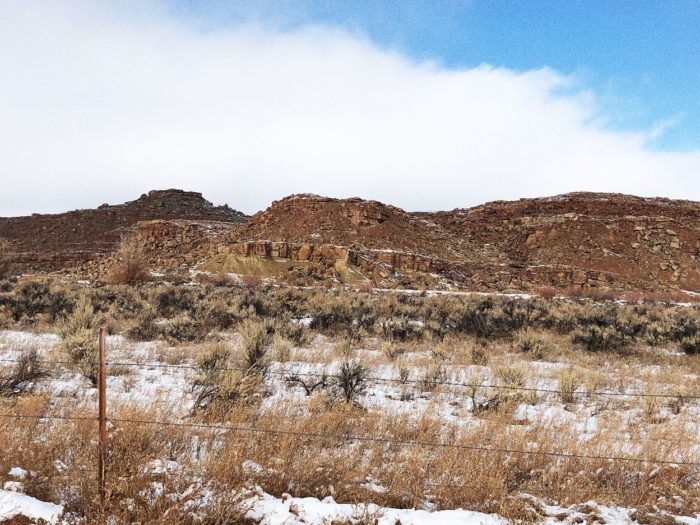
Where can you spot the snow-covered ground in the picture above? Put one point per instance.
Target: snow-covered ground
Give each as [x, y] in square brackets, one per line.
[166, 386]
[268, 510]
[15, 504]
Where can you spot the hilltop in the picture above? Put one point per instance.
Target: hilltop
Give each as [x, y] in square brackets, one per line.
[588, 240]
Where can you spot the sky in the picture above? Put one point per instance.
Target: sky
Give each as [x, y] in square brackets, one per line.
[424, 105]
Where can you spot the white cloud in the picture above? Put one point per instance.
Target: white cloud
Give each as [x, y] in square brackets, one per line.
[99, 104]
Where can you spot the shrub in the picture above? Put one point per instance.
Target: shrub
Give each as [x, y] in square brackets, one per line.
[26, 372]
[434, 376]
[145, 328]
[547, 292]
[32, 298]
[351, 381]
[478, 319]
[183, 329]
[530, 343]
[522, 314]
[83, 318]
[333, 314]
[130, 262]
[252, 281]
[256, 340]
[512, 381]
[282, 347]
[174, 300]
[479, 354]
[81, 348]
[80, 339]
[392, 350]
[596, 338]
[690, 344]
[220, 382]
[216, 315]
[297, 333]
[569, 382]
[401, 329]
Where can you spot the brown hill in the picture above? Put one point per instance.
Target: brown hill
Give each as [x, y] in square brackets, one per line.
[321, 220]
[588, 239]
[53, 242]
[580, 239]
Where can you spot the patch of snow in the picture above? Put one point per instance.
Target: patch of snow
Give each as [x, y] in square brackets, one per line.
[268, 510]
[14, 486]
[13, 504]
[18, 472]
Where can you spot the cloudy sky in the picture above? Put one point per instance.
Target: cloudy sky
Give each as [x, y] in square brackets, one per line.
[426, 105]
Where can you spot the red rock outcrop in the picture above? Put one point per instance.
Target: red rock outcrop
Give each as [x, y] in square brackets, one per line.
[581, 239]
[53, 242]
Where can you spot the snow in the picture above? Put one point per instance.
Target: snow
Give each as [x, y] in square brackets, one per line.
[265, 509]
[13, 504]
[268, 510]
[169, 392]
[17, 472]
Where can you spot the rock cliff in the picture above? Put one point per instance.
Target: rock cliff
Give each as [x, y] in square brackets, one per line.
[587, 240]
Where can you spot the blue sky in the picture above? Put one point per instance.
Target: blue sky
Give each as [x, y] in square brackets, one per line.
[642, 58]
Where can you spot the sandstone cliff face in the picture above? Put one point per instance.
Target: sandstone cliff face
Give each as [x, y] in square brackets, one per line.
[581, 240]
[53, 242]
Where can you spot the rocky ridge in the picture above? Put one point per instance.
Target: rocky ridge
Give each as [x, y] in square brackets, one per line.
[587, 240]
[40, 243]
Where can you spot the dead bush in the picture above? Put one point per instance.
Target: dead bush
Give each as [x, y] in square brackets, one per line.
[434, 376]
[130, 262]
[309, 382]
[530, 343]
[282, 348]
[351, 381]
[392, 350]
[23, 376]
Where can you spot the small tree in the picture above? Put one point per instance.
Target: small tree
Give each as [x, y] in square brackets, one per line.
[130, 266]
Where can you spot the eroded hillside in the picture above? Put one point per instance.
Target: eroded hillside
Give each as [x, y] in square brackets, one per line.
[590, 240]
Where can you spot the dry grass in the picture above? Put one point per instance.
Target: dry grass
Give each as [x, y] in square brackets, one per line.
[130, 262]
[419, 456]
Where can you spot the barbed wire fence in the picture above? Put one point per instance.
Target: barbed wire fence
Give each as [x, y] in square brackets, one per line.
[102, 420]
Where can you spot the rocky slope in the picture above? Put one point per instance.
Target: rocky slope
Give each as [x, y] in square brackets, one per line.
[587, 239]
[605, 241]
[53, 242]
